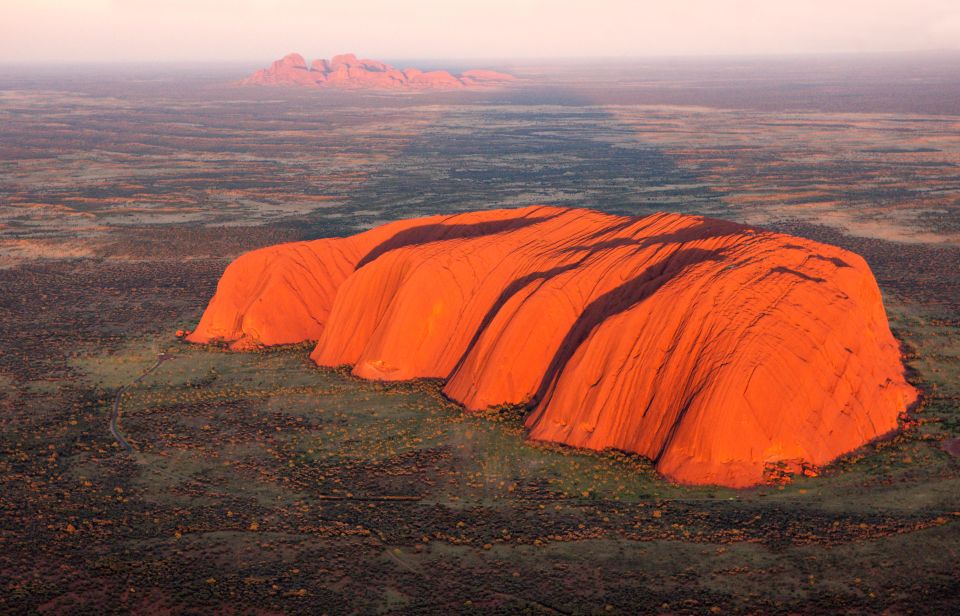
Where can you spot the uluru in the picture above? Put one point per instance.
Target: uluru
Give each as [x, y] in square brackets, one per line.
[712, 348]
[350, 72]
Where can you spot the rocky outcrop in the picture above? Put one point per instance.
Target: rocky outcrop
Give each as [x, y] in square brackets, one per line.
[348, 71]
[712, 348]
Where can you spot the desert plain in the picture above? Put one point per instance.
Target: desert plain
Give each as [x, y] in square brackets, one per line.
[257, 482]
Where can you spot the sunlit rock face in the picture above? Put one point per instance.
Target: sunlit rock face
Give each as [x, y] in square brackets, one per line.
[710, 347]
[348, 71]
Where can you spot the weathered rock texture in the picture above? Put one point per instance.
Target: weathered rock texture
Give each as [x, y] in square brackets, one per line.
[348, 71]
[707, 346]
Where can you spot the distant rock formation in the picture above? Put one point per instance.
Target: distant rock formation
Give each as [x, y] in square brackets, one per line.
[348, 71]
[712, 348]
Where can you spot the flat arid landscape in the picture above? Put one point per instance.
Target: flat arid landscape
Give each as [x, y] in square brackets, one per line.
[140, 472]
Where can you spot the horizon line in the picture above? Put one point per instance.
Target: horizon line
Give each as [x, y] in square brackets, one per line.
[580, 58]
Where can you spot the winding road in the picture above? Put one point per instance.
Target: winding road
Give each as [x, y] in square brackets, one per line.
[115, 415]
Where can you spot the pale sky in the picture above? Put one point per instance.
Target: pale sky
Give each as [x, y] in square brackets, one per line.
[260, 31]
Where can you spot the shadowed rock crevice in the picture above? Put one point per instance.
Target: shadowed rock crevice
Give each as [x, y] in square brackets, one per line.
[440, 232]
[510, 291]
[712, 348]
[786, 270]
[614, 302]
[713, 229]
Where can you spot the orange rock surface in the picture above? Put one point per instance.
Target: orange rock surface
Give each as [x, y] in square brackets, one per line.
[348, 71]
[712, 348]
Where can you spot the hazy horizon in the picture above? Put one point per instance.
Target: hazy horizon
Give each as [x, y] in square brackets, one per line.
[558, 61]
[145, 31]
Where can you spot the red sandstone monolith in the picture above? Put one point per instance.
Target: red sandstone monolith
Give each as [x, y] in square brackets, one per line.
[710, 347]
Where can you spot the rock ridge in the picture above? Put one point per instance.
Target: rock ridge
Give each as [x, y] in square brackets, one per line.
[349, 71]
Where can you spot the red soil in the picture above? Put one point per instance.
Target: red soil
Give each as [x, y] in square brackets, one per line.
[713, 348]
[348, 71]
